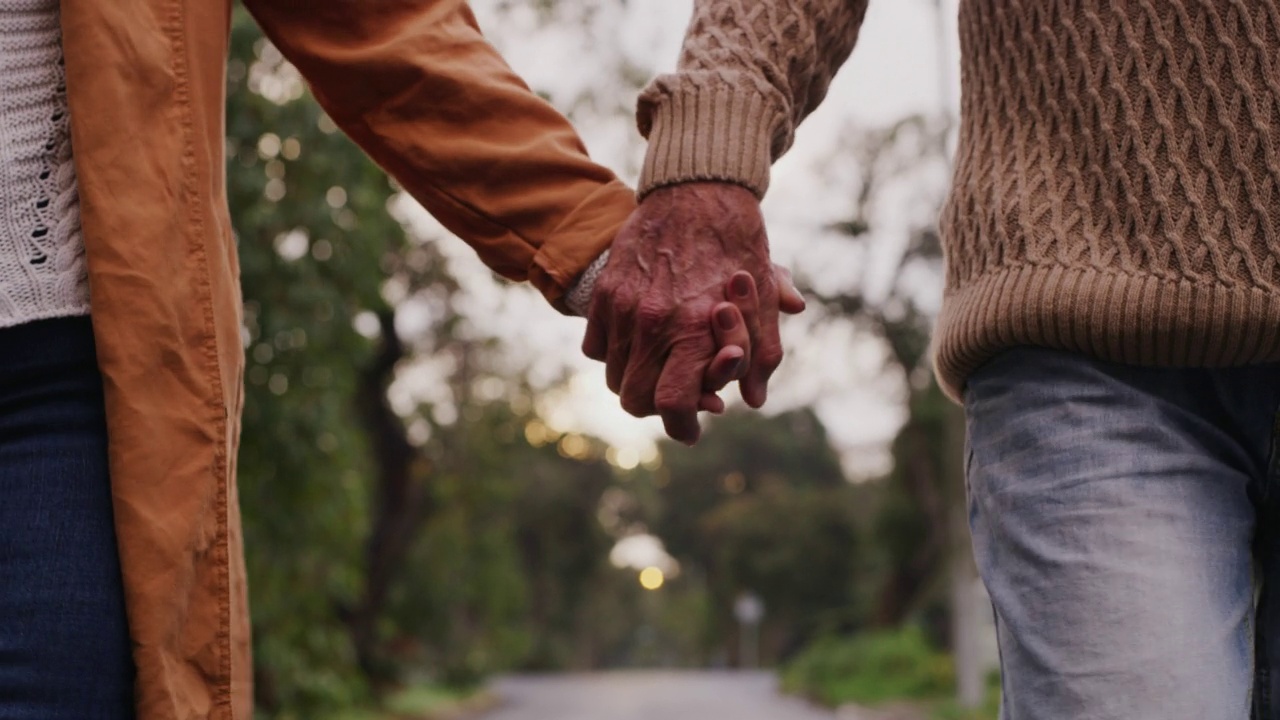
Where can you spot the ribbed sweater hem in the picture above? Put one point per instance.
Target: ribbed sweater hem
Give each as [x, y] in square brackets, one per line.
[1132, 319]
[49, 313]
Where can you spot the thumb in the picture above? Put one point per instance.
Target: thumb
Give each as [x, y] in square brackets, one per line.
[790, 301]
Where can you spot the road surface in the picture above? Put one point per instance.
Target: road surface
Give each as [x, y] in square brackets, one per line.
[653, 695]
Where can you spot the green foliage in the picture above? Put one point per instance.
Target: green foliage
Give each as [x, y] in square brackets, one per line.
[871, 669]
[417, 701]
[507, 570]
[918, 523]
[988, 710]
[307, 268]
[797, 548]
[741, 452]
[562, 548]
[499, 575]
[508, 551]
[679, 622]
[423, 699]
[762, 506]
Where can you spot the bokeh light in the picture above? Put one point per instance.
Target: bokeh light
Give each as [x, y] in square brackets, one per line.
[651, 578]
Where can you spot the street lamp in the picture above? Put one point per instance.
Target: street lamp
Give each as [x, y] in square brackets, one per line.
[749, 611]
[652, 578]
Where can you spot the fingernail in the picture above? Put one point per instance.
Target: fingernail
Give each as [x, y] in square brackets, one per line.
[727, 318]
[741, 285]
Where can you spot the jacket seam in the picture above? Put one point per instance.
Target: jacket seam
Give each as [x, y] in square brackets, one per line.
[195, 242]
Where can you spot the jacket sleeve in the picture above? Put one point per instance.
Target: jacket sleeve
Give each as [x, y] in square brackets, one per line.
[749, 73]
[417, 86]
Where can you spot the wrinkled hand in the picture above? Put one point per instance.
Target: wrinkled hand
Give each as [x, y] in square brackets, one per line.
[667, 276]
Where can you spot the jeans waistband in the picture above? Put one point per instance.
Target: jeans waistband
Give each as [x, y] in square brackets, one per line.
[45, 344]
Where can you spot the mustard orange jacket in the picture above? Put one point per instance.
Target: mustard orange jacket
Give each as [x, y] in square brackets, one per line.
[417, 86]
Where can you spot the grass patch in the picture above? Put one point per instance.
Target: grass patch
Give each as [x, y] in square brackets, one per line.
[888, 668]
[871, 669]
[988, 710]
[422, 702]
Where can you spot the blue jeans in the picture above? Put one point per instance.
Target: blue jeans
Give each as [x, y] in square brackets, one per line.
[64, 641]
[1122, 518]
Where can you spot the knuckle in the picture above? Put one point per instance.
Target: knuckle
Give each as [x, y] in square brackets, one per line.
[623, 308]
[689, 314]
[766, 281]
[605, 294]
[673, 403]
[612, 286]
[689, 324]
[770, 358]
[651, 314]
[718, 383]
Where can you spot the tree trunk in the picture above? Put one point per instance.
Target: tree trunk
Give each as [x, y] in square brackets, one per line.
[401, 501]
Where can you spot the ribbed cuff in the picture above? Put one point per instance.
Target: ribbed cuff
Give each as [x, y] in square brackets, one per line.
[710, 134]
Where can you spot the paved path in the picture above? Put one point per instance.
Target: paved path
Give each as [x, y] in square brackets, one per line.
[653, 695]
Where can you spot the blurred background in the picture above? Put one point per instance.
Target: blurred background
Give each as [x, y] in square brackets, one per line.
[439, 490]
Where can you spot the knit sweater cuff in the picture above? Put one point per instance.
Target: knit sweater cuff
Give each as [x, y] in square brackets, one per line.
[709, 134]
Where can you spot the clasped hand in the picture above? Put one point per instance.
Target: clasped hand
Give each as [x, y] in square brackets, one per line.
[688, 303]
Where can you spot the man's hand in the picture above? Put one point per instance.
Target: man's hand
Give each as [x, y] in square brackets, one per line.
[667, 274]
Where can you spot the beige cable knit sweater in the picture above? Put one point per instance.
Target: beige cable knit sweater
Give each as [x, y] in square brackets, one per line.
[1117, 186]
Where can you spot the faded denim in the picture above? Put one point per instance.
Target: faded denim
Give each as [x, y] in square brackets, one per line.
[1117, 513]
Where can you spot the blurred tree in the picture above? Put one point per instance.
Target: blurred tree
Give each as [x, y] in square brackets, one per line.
[382, 528]
[403, 500]
[918, 528]
[762, 506]
[457, 532]
[799, 550]
[499, 576]
[561, 543]
[742, 452]
[309, 212]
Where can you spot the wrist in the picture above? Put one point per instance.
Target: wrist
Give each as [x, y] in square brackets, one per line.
[705, 220]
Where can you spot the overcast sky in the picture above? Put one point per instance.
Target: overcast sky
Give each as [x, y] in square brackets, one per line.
[902, 66]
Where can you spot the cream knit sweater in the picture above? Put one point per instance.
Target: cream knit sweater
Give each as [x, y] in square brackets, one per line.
[42, 271]
[1117, 186]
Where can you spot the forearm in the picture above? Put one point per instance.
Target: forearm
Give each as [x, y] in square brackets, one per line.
[749, 73]
[417, 86]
